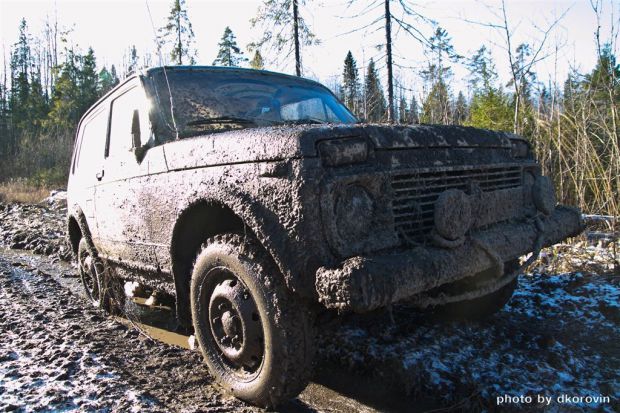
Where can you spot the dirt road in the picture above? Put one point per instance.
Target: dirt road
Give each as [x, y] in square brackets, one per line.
[559, 336]
[57, 353]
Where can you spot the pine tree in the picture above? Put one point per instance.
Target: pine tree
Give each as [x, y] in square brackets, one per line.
[403, 110]
[115, 79]
[604, 80]
[65, 106]
[105, 81]
[229, 53]
[21, 62]
[437, 107]
[523, 82]
[285, 31]
[257, 61]
[489, 107]
[482, 73]
[525, 77]
[4, 113]
[414, 112]
[460, 110]
[132, 65]
[491, 111]
[374, 98]
[179, 34]
[350, 84]
[88, 81]
[37, 103]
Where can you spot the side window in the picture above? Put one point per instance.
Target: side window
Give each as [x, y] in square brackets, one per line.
[122, 116]
[305, 109]
[331, 116]
[92, 143]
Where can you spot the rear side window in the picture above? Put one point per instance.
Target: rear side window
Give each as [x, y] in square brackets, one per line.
[92, 144]
[122, 115]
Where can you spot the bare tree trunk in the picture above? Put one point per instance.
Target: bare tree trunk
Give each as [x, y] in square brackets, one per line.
[388, 47]
[296, 38]
[179, 44]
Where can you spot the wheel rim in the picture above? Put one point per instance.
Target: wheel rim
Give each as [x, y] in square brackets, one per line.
[89, 276]
[235, 324]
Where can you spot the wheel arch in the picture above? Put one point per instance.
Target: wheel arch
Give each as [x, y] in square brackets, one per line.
[200, 220]
[74, 234]
[77, 228]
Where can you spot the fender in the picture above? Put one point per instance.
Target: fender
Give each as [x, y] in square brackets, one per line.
[256, 218]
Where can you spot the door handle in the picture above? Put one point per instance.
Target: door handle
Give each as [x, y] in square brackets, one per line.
[100, 174]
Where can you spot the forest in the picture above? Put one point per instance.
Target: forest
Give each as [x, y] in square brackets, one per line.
[573, 124]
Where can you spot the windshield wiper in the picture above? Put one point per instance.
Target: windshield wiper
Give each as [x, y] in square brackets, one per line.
[221, 119]
[302, 121]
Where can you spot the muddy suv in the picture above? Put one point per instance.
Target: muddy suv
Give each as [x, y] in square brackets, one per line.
[257, 199]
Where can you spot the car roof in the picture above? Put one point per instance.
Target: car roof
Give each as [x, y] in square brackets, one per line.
[156, 69]
[230, 69]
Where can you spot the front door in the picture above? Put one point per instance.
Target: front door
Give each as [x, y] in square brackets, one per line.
[128, 188]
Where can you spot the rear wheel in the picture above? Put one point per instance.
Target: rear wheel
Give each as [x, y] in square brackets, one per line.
[255, 337]
[89, 275]
[101, 290]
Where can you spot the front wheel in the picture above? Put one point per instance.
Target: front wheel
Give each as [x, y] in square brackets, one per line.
[255, 338]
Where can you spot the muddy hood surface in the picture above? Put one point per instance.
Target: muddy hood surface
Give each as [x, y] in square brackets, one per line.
[286, 142]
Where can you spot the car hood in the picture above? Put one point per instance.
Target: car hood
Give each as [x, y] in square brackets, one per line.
[286, 142]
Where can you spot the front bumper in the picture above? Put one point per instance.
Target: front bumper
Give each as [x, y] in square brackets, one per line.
[364, 283]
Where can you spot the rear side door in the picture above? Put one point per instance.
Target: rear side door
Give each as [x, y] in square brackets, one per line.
[87, 164]
[127, 190]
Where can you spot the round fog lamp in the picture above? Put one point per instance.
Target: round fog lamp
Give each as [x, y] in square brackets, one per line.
[354, 211]
[452, 214]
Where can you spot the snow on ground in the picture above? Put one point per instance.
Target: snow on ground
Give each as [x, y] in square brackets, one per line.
[559, 335]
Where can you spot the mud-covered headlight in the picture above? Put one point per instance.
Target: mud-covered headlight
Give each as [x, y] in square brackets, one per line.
[354, 211]
[345, 151]
[520, 149]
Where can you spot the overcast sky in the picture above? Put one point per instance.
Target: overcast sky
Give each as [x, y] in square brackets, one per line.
[110, 27]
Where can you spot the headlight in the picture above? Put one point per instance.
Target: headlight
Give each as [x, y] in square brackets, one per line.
[354, 211]
[520, 149]
[356, 214]
[345, 151]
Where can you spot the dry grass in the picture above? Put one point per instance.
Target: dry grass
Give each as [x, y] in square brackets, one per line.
[23, 192]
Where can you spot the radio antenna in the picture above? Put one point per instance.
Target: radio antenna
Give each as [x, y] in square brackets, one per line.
[161, 63]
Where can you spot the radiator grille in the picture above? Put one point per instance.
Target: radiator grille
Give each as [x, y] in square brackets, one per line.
[415, 194]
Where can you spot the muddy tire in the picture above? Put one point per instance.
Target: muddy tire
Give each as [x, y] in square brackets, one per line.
[88, 274]
[101, 291]
[255, 337]
[482, 307]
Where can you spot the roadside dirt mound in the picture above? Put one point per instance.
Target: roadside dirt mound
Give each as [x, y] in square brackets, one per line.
[38, 228]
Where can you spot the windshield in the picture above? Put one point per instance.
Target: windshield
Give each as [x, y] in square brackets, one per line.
[217, 100]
